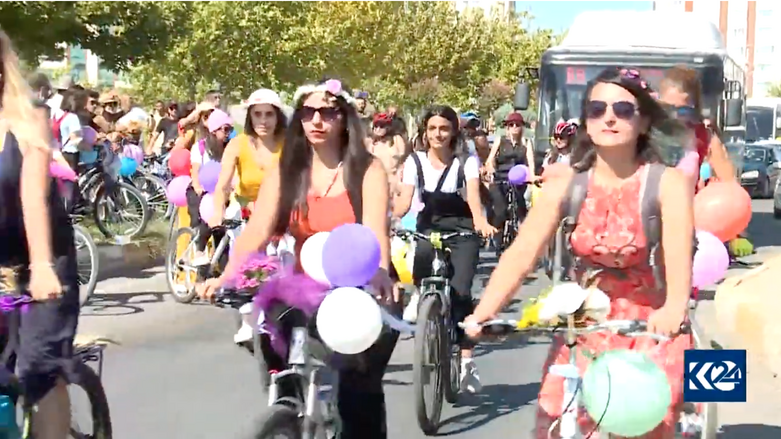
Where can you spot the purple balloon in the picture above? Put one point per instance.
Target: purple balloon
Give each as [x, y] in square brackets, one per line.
[711, 260]
[519, 174]
[351, 256]
[134, 152]
[208, 176]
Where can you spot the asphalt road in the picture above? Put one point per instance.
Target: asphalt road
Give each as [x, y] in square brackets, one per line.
[178, 375]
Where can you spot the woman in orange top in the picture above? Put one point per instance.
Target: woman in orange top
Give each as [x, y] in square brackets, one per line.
[330, 180]
[251, 153]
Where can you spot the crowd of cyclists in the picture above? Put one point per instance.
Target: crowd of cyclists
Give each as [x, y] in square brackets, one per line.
[334, 161]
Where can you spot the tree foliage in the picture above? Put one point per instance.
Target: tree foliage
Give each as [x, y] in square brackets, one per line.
[121, 33]
[774, 90]
[404, 53]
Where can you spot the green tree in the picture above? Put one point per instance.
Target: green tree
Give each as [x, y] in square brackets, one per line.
[774, 90]
[121, 33]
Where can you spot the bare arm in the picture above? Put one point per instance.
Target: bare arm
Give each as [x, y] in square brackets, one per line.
[676, 199]
[492, 155]
[403, 200]
[530, 158]
[474, 202]
[375, 207]
[719, 160]
[227, 169]
[184, 141]
[518, 260]
[194, 169]
[35, 208]
[260, 227]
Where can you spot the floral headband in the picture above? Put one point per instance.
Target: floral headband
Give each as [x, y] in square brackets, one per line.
[634, 75]
[332, 87]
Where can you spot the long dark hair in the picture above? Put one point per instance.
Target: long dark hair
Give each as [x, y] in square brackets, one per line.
[295, 162]
[279, 129]
[457, 142]
[214, 146]
[652, 147]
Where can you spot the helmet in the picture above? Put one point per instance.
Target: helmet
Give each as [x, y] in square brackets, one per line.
[566, 128]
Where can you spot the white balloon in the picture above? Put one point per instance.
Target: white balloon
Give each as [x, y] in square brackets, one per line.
[312, 257]
[349, 320]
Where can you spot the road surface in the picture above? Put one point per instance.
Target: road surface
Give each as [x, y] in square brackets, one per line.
[177, 373]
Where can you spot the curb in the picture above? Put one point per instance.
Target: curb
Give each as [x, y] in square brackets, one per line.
[125, 260]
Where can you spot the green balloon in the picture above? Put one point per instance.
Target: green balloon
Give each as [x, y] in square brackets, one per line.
[627, 391]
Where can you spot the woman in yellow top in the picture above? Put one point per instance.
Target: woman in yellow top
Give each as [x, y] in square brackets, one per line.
[251, 153]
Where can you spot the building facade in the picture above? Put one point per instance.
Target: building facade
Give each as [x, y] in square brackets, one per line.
[83, 66]
[750, 32]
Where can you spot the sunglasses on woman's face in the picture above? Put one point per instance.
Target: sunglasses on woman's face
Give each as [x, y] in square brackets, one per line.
[683, 112]
[514, 125]
[327, 114]
[227, 129]
[624, 110]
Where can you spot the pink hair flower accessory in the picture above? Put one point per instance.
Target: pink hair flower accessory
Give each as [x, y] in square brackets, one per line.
[333, 86]
[635, 76]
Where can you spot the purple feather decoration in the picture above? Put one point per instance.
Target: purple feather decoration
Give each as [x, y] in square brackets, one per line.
[296, 290]
[12, 303]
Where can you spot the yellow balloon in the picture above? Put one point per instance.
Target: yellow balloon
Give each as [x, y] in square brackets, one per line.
[536, 191]
[399, 261]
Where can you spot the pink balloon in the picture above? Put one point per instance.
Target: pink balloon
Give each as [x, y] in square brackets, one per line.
[711, 260]
[61, 172]
[177, 190]
[134, 152]
[206, 209]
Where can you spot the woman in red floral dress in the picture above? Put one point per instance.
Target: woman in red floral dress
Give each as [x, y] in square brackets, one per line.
[615, 146]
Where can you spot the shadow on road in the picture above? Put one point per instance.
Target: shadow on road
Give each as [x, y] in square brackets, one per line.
[119, 304]
[764, 229]
[493, 402]
[129, 272]
[753, 431]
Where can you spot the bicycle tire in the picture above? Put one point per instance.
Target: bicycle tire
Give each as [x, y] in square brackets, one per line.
[160, 188]
[171, 260]
[173, 223]
[430, 308]
[453, 377]
[87, 289]
[89, 381]
[278, 421]
[122, 186]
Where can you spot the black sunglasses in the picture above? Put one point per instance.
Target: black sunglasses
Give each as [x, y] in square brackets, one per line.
[622, 109]
[685, 112]
[328, 114]
[513, 125]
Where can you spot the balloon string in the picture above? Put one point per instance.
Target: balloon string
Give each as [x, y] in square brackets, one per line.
[396, 323]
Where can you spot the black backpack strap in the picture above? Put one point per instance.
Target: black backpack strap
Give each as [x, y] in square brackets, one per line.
[576, 195]
[561, 250]
[651, 216]
[419, 169]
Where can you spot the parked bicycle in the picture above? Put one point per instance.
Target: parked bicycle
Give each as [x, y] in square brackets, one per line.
[81, 375]
[437, 357]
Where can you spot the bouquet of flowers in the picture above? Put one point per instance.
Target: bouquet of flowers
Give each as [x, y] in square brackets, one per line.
[256, 270]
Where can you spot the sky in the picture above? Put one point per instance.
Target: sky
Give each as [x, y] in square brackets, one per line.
[558, 16]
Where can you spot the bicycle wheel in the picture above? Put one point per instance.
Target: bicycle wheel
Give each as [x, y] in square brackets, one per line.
[429, 362]
[173, 223]
[153, 188]
[180, 275]
[87, 258]
[127, 205]
[89, 381]
[453, 376]
[279, 422]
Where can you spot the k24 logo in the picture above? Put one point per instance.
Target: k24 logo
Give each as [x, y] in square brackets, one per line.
[714, 376]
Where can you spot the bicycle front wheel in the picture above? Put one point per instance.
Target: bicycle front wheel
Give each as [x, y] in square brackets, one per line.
[429, 361]
[88, 381]
[279, 422]
[125, 211]
[87, 259]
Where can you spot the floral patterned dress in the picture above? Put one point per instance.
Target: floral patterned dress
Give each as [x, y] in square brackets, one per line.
[610, 233]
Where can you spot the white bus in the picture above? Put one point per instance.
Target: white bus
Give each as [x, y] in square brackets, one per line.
[651, 42]
[763, 119]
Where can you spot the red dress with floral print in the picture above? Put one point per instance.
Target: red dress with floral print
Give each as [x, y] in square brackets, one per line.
[610, 233]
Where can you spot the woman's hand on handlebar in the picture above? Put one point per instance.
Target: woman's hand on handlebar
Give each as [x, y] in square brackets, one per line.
[472, 327]
[485, 229]
[209, 288]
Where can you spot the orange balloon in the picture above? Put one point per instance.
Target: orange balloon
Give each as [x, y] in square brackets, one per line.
[722, 208]
[554, 170]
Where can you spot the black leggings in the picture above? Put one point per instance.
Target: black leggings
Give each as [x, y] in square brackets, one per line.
[498, 194]
[464, 257]
[360, 396]
[199, 226]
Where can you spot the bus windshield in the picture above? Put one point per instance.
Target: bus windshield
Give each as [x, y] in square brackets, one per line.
[562, 88]
[759, 123]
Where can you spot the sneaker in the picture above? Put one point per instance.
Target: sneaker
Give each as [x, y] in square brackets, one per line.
[244, 334]
[470, 379]
[411, 311]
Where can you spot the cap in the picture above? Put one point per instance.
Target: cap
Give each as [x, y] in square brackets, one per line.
[263, 96]
[361, 95]
[217, 120]
[469, 115]
[513, 118]
[381, 118]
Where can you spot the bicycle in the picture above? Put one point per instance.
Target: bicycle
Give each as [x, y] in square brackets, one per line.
[177, 264]
[152, 180]
[435, 309]
[511, 225]
[301, 398]
[86, 249]
[567, 423]
[81, 375]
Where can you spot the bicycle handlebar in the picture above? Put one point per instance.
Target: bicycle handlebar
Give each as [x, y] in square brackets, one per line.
[628, 328]
[407, 234]
[229, 224]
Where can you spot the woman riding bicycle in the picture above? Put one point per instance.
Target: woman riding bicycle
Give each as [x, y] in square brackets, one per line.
[447, 179]
[506, 152]
[330, 179]
[209, 149]
[563, 141]
[252, 153]
[617, 148]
